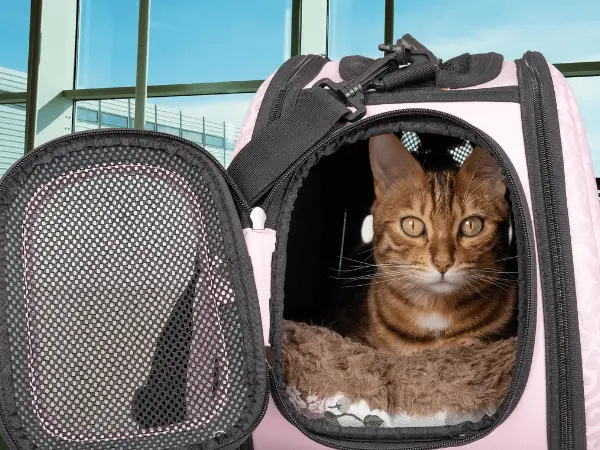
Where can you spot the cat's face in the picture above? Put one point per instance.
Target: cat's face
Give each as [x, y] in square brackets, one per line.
[440, 233]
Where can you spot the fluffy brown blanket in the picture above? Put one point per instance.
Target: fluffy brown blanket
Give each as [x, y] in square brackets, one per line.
[320, 362]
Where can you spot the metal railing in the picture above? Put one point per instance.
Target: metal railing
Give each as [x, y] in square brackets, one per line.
[218, 138]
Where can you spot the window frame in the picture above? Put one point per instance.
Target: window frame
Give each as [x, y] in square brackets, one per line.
[309, 34]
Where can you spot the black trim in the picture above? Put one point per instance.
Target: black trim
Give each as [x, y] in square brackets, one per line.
[12, 424]
[289, 79]
[565, 394]
[248, 445]
[418, 120]
[437, 95]
[480, 68]
[280, 143]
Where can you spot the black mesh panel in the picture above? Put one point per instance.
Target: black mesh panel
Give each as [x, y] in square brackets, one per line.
[458, 149]
[123, 320]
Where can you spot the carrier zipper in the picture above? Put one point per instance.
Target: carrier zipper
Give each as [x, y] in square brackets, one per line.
[235, 190]
[234, 443]
[256, 422]
[283, 91]
[564, 348]
[527, 344]
[8, 433]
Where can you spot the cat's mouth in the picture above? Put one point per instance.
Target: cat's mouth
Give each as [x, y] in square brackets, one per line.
[442, 286]
[440, 283]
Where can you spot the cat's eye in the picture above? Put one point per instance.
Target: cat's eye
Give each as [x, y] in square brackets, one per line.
[412, 226]
[471, 226]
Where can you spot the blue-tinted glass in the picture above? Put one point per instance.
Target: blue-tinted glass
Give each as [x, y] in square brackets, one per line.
[201, 41]
[113, 120]
[87, 115]
[107, 43]
[216, 117]
[112, 114]
[14, 44]
[587, 91]
[215, 141]
[193, 136]
[168, 129]
[150, 126]
[229, 144]
[563, 31]
[356, 27]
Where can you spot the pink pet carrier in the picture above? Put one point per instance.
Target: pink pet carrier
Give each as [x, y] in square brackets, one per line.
[144, 288]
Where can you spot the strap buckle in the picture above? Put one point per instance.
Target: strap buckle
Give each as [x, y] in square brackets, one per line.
[406, 51]
[351, 93]
[410, 51]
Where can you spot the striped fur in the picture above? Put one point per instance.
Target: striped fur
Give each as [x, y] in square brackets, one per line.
[440, 288]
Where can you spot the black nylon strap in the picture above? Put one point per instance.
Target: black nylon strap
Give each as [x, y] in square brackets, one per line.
[274, 148]
[412, 74]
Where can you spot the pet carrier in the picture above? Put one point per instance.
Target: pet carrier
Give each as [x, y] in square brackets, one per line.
[150, 299]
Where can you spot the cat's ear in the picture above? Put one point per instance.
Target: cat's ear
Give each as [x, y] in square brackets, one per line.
[391, 162]
[481, 167]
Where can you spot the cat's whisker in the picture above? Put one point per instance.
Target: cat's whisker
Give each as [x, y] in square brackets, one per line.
[502, 284]
[363, 263]
[507, 258]
[495, 271]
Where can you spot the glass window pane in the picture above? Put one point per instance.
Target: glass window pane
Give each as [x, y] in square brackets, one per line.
[12, 135]
[114, 120]
[587, 91]
[168, 129]
[14, 45]
[211, 121]
[87, 115]
[107, 43]
[356, 27]
[202, 41]
[564, 31]
[112, 114]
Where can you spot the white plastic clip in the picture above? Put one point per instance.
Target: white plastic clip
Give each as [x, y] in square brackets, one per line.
[258, 218]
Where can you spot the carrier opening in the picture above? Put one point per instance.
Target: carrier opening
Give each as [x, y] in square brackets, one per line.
[341, 367]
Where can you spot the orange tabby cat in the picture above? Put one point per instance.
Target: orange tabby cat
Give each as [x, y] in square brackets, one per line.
[441, 247]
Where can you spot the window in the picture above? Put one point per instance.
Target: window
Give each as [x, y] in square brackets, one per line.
[168, 129]
[214, 141]
[12, 136]
[562, 31]
[113, 120]
[87, 115]
[217, 41]
[211, 121]
[356, 28]
[14, 50]
[112, 113]
[107, 43]
[193, 136]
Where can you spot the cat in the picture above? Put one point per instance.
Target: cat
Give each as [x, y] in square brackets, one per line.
[441, 251]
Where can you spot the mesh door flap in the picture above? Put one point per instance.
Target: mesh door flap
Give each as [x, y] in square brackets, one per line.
[130, 311]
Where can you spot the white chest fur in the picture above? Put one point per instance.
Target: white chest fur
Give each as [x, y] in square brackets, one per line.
[433, 322]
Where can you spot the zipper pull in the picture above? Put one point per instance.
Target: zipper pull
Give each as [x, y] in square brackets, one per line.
[258, 218]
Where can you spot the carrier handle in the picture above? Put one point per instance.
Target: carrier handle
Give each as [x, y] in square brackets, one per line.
[279, 144]
[276, 147]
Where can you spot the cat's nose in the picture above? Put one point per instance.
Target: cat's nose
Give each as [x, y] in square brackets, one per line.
[442, 266]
